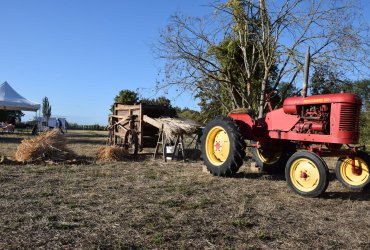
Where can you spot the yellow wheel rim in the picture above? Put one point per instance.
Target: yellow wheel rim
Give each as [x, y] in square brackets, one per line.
[305, 175]
[268, 159]
[217, 146]
[359, 177]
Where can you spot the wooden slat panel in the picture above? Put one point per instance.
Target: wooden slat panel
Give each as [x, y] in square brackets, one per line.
[153, 122]
[127, 108]
[140, 117]
[119, 116]
[120, 133]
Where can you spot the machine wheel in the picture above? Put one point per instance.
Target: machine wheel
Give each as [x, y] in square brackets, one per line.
[307, 174]
[130, 142]
[355, 178]
[223, 146]
[271, 157]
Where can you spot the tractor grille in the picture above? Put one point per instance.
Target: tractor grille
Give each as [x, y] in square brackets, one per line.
[349, 118]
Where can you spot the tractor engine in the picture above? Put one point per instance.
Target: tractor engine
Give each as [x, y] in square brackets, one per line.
[334, 115]
[315, 119]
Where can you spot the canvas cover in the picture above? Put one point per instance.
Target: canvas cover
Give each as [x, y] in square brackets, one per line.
[11, 100]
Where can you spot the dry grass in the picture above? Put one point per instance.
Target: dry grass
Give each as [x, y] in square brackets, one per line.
[152, 204]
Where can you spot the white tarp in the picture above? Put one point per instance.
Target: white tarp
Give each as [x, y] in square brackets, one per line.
[11, 100]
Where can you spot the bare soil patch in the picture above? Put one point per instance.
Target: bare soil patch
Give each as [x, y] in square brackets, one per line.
[146, 203]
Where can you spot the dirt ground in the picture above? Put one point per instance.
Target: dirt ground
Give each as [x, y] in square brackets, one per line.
[146, 203]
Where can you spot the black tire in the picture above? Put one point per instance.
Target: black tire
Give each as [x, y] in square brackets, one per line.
[307, 174]
[279, 151]
[131, 143]
[222, 158]
[356, 179]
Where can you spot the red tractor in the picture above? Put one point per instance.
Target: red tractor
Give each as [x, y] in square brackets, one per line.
[294, 137]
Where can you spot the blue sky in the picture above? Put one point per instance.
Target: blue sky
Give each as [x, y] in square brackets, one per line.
[80, 54]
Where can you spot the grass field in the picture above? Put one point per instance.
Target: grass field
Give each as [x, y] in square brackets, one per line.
[146, 203]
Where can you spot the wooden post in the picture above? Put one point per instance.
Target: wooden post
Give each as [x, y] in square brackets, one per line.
[141, 125]
[181, 144]
[175, 147]
[160, 141]
[164, 146]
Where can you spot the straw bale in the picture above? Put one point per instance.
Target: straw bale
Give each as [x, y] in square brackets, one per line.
[172, 127]
[50, 145]
[111, 153]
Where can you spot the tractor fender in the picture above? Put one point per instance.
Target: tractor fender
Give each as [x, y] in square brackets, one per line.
[245, 123]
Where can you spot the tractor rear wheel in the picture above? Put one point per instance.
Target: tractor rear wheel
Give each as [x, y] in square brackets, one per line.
[271, 157]
[355, 177]
[307, 174]
[223, 146]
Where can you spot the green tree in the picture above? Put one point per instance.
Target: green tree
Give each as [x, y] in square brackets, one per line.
[365, 127]
[161, 101]
[249, 47]
[284, 91]
[361, 88]
[130, 97]
[325, 81]
[6, 115]
[189, 114]
[236, 88]
[46, 108]
[127, 97]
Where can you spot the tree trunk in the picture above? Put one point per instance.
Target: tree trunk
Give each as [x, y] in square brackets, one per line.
[262, 96]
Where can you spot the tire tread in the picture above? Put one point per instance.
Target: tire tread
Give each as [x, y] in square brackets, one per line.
[237, 147]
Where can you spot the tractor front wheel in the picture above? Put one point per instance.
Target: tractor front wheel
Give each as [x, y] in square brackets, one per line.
[223, 146]
[307, 174]
[354, 172]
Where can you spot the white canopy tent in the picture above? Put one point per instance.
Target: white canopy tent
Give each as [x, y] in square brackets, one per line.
[11, 100]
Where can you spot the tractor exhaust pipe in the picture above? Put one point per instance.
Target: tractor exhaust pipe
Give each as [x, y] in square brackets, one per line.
[306, 73]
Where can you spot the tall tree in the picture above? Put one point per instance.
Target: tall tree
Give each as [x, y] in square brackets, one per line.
[161, 101]
[46, 108]
[130, 97]
[325, 81]
[361, 88]
[127, 97]
[248, 47]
